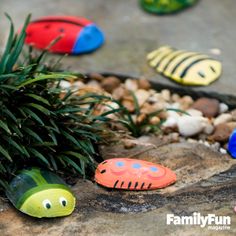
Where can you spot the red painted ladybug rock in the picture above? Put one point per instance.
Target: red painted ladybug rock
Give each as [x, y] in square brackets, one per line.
[133, 174]
[78, 35]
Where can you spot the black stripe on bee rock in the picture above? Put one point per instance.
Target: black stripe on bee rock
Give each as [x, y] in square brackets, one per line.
[136, 185]
[182, 61]
[129, 185]
[175, 55]
[152, 55]
[142, 185]
[122, 183]
[103, 171]
[185, 71]
[116, 183]
[149, 186]
[154, 62]
[162, 58]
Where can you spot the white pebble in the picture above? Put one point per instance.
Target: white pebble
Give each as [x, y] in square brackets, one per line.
[152, 99]
[94, 84]
[159, 97]
[216, 146]
[175, 97]
[174, 105]
[190, 140]
[187, 99]
[223, 108]
[223, 151]
[194, 112]
[206, 144]
[165, 93]
[215, 51]
[131, 84]
[78, 85]
[223, 118]
[170, 122]
[173, 114]
[208, 129]
[142, 96]
[190, 125]
[65, 84]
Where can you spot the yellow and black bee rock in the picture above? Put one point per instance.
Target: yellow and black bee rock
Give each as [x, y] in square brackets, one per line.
[189, 68]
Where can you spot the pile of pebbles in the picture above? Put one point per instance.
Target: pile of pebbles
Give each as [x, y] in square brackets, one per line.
[208, 121]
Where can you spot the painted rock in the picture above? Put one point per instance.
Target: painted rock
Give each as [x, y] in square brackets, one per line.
[188, 68]
[165, 6]
[40, 193]
[232, 144]
[78, 35]
[132, 174]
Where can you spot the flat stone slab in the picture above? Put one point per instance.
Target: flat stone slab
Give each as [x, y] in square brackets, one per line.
[206, 184]
[88, 219]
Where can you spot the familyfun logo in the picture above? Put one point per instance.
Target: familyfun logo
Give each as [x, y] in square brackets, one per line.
[211, 221]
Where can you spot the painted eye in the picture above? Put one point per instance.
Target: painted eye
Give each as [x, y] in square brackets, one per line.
[47, 204]
[201, 74]
[153, 169]
[120, 163]
[136, 166]
[63, 201]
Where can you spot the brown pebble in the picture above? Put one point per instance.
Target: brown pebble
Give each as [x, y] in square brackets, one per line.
[209, 107]
[110, 83]
[221, 134]
[231, 125]
[96, 76]
[144, 84]
[233, 113]
[119, 93]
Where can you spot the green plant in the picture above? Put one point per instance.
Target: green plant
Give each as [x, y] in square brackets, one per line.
[145, 125]
[39, 126]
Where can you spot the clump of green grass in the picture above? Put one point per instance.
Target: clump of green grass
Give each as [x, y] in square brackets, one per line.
[145, 126]
[38, 126]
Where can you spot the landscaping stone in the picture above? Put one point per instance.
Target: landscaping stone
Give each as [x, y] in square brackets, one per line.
[209, 107]
[221, 133]
[190, 125]
[110, 83]
[144, 84]
[222, 118]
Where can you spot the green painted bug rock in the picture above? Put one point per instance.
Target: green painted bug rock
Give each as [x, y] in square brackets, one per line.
[165, 6]
[40, 193]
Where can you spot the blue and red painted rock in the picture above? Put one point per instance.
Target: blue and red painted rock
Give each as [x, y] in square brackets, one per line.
[78, 35]
[133, 174]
